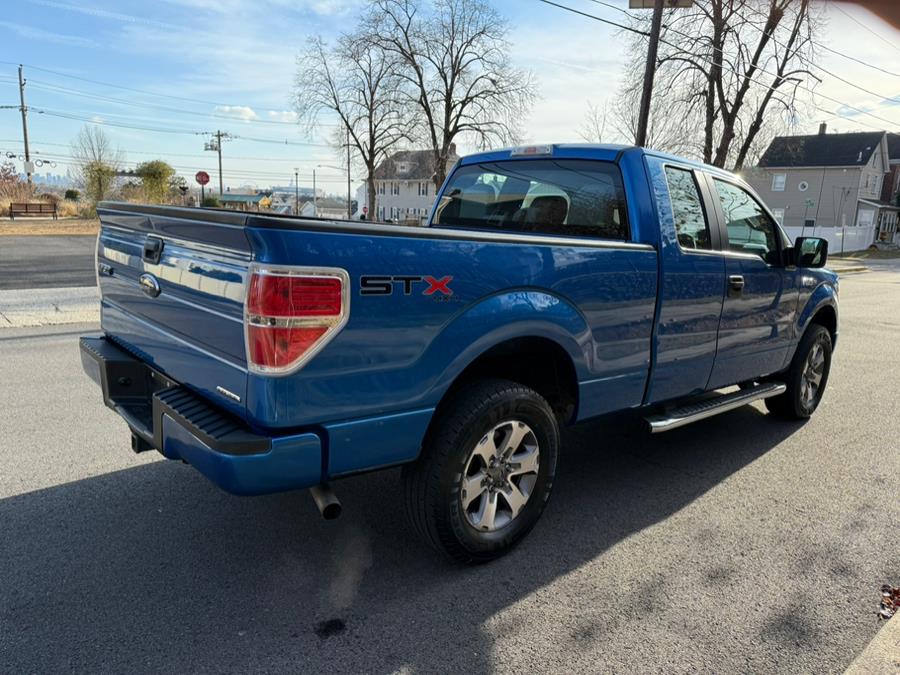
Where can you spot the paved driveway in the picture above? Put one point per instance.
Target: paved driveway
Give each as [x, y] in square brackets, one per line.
[738, 544]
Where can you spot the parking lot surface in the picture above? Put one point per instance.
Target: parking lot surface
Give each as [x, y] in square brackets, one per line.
[737, 544]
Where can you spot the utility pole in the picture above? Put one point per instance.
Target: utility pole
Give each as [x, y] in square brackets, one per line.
[315, 205]
[216, 146]
[28, 167]
[296, 191]
[349, 207]
[649, 74]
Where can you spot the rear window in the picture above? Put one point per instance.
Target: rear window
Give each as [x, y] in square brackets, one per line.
[565, 196]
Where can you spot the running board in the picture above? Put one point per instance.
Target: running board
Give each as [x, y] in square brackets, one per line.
[695, 412]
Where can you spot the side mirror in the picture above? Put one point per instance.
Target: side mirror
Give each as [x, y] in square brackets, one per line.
[810, 252]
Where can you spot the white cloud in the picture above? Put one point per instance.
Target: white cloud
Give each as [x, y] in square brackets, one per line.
[32, 33]
[241, 112]
[282, 115]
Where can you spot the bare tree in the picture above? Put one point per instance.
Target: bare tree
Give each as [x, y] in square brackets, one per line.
[96, 163]
[594, 127]
[455, 55]
[360, 84]
[729, 74]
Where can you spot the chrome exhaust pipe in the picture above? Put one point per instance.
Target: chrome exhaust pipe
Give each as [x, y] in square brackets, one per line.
[326, 501]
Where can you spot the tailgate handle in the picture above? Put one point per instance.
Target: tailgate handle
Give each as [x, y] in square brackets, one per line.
[153, 248]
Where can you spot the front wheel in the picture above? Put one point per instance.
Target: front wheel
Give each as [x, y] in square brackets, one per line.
[806, 376]
[486, 471]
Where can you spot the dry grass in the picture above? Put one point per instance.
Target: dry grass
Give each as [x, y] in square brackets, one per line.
[44, 226]
[13, 191]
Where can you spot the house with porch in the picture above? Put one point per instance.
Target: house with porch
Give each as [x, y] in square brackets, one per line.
[830, 186]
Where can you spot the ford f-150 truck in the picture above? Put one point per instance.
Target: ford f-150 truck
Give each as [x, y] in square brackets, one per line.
[553, 284]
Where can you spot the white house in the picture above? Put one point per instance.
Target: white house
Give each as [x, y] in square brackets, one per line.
[404, 185]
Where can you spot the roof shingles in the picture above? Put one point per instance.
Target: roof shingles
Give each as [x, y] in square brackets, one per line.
[854, 149]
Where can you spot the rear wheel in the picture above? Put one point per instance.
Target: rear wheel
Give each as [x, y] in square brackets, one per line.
[806, 376]
[486, 471]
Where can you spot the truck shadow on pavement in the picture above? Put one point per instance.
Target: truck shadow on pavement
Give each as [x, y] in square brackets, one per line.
[152, 568]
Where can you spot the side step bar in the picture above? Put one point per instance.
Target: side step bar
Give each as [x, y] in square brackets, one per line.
[694, 412]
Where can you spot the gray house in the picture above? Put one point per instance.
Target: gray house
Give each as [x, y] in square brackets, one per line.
[829, 185]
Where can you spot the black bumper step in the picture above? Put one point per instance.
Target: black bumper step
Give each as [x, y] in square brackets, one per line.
[142, 395]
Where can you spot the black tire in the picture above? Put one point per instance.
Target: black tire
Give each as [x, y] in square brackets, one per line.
[791, 404]
[432, 484]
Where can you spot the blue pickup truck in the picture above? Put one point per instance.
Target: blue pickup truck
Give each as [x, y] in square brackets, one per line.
[553, 284]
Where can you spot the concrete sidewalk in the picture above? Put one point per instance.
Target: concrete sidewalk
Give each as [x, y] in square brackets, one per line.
[882, 655]
[49, 306]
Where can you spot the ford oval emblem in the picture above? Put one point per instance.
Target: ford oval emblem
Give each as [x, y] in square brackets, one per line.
[149, 285]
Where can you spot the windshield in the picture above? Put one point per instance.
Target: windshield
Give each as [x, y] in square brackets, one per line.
[568, 197]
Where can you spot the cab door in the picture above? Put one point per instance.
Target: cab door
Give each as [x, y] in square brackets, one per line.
[755, 331]
[692, 277]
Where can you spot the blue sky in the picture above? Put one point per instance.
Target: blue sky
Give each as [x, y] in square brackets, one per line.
[231, 65]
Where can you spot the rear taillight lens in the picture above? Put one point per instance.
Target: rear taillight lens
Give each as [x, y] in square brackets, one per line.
[291, 313]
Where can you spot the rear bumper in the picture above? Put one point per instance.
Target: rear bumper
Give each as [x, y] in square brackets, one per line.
[165, 415]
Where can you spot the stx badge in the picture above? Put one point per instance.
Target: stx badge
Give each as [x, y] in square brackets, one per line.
[370, 284]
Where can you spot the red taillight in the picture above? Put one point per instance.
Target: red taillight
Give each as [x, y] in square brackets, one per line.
[290, 296]
[290, 314]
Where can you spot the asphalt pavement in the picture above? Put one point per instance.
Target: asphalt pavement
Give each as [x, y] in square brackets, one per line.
[47, 261]
[739, 544]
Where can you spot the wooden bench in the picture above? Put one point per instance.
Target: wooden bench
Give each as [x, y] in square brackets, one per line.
[32, 209]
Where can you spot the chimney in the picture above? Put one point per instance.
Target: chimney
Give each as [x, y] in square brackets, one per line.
[452, 149]
[822, 128]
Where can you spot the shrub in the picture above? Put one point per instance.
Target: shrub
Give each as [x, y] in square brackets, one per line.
[210, 201]
[72, 195]
[67, 209]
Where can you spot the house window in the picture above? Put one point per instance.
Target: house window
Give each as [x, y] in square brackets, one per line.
[778, 181]
[381, 188]
[779, 216]
[402, 167]
[395, 188]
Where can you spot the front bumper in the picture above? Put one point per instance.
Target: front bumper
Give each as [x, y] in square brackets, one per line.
[164, 415]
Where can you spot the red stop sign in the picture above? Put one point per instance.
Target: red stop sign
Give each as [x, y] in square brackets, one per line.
[201, 177]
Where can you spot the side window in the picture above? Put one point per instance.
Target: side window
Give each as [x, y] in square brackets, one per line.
[691, 227]
[749, 228]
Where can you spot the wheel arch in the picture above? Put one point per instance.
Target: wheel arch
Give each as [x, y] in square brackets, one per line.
[537, 362]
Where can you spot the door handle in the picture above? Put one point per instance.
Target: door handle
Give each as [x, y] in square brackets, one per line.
[736, 282]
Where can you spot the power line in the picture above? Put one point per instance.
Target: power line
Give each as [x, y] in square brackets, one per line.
[118, 86]
[739, 74]
[801, 57]
[55, 88]
[597, 18]
[153, 94]
[179, 154]
[860, 23]
[190, 132]
[814, 42]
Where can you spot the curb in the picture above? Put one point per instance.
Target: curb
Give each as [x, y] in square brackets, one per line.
[48, 306]
[850, 270]
[882, 655]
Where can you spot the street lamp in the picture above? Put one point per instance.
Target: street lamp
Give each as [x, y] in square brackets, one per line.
[296, 191]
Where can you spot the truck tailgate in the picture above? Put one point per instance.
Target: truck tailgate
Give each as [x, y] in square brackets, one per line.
[173, 294]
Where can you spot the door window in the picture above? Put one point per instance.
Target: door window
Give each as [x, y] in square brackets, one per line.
[687, 208]
[749, 229]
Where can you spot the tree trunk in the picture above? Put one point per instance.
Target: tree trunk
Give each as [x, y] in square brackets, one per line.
[370, 194]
